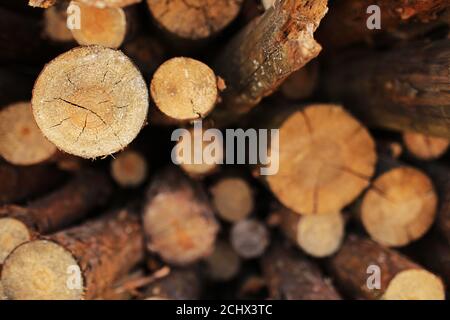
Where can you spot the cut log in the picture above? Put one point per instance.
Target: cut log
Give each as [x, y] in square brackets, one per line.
[107, 27]
[184, 89]
[405, 94]
[326, 157]
[399, 207]
[318, 235]
[90, 101]
[193, 20]
[129, 169]
[21, 141]
[346, 23]
[302, 83]
[356, 264]
[291, 276]
[78, 263]
[425, 147]
[59, 209]
[233, 198]
[178, 220]
[265, 53]
[179, 284]
[249, 238]
[55, 24]
[223, 264]
[18, 183]
[209, 164]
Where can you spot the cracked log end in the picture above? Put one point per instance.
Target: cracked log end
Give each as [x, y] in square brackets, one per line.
[129, 169]
[425, 147]
[232, 198]
[184, 89]
[400, 207]
[106, 27]
[415, 284]
[12, 233]
[90, 101]
[194, 20]
[318, 235]
[326, 158]
[249, 238]
[223, 264]
[178, 220]
[21, 141]
[38, 270]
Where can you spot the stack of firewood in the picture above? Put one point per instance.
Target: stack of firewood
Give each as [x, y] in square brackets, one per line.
[92, 205]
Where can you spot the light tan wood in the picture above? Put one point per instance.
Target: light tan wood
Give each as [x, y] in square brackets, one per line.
[90, 101]
[233, 198]
[129, 169]
[21, 141]
[326, 159]
[184, 89]
[106, 27]
[425, 147]
[399, 207]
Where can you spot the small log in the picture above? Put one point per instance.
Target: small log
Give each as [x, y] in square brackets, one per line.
[179, 284]
[223, 264]
[108, 27]
[129, 169]
[291, 276]
[184, 89]
[95, 3]
[249, 238]
[195, 20]
[326, 157]
[405, 94]
[400, 278]
[302, 83]
[346, 23]
[59, 209]
[21, 141]
[19, 183]
[178, 220]
[90, 101]
[265, 53]
[233, 198]
[317, 235]
[55, 24]
[101, 250]
[208, 165]
[399, 207]
[425, 147]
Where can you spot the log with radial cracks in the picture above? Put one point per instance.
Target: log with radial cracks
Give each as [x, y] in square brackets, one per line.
[399, 207]
[18, 183]
[178, 219]
[77, 263]
[106, 27]
[194, 19]
[318, 235]
[265, 53]
[346, 23]
[291, 276]
[184, 89]
[401, 279]
[326, 157]
[90, 101]
[405, 94]
[53, 212]
[425, 147]
[21, 141]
